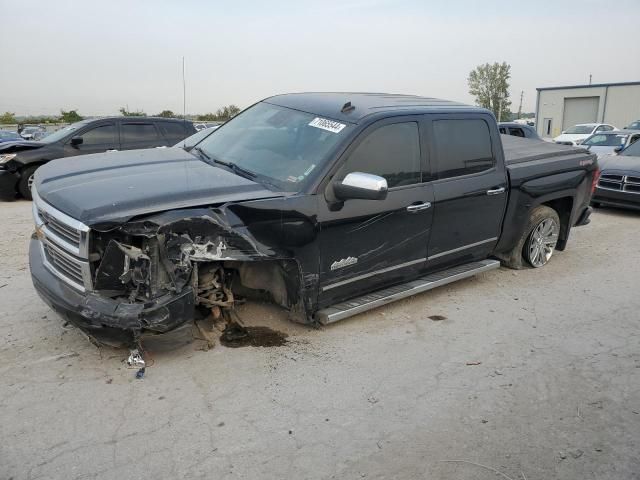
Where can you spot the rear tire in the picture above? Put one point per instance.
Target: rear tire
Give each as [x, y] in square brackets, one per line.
[541, 242]
[535, 237]
[26, 179]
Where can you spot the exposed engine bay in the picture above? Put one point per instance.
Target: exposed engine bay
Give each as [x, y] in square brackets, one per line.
[200, 261]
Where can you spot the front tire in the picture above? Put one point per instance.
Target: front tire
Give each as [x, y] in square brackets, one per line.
[26, 181]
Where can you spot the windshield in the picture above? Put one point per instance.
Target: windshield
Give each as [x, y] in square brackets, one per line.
[632, 150]
[602, 140]
[281, 145]
[633, 126]
[63, 132]
[580, 129]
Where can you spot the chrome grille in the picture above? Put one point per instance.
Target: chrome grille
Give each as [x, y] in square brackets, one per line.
[64, 263]
[611, 177]
[60, 229]
[65, 244]
[620, 183]
[631, 179]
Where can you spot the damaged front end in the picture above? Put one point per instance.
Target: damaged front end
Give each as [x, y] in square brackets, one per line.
[155, 274]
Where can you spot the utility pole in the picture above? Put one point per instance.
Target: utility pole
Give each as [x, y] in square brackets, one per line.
[590, 79]
[520, 107]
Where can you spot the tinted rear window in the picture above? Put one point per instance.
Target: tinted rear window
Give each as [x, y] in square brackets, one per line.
[462, 147]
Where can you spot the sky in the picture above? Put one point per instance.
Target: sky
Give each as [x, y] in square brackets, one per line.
[99, 56]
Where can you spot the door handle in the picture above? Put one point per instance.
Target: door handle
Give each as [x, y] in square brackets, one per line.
[418, 207]
[495, 191]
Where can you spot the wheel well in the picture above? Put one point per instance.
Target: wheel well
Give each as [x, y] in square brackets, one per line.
[563, 206]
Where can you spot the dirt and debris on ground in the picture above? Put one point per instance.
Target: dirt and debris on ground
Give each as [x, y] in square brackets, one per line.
[386, 394]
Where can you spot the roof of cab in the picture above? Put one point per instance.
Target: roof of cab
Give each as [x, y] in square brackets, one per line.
[334, 104]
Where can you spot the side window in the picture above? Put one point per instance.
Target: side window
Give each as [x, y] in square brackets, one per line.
[172, 130]
[138, 132]
[634, 139]
[503, 130]
[607, 128]
[516, 132]
[102, 135]
[462, 147]
[392, 152]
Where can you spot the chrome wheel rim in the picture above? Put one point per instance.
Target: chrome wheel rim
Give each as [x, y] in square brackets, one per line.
[30, 181]
[543, 241]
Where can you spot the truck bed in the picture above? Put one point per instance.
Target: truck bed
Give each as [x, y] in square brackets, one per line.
[527, 159]
[519, 150]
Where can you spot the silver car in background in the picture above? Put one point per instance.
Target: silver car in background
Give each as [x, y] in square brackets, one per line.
[608, 143]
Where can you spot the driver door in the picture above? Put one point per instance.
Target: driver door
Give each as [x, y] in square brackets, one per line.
[368, 244]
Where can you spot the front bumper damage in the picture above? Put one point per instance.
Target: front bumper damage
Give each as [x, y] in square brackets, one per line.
[155, 274]
[103, 317]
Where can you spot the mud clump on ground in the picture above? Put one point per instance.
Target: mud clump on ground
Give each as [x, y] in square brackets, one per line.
[235, 336]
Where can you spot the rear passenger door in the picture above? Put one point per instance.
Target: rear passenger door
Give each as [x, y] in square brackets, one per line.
[136, 134]
[470, 188]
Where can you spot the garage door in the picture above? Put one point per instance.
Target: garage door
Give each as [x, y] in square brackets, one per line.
[580, 110]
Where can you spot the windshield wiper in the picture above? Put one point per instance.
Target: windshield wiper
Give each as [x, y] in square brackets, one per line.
[202, 154]
[243, 172]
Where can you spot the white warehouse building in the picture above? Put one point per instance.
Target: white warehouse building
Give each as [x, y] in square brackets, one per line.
[558, 108]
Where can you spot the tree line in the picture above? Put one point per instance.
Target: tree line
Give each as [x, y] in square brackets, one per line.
[488, 83]
[71, 116]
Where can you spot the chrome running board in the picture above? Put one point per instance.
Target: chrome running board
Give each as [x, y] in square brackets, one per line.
[376, 299]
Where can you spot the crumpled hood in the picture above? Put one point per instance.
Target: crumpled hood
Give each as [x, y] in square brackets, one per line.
[17, 145]
[111, 188]
[620, 163]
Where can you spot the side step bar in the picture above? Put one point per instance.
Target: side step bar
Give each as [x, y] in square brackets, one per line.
[352, 307]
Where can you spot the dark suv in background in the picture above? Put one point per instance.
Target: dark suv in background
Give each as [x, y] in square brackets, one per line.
[20, 159]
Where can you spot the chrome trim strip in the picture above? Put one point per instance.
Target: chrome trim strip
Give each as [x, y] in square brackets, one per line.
[371, 274]
[600, 187]
[459, 249]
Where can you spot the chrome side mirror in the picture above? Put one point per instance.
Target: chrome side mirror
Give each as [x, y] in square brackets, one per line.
[359, 185]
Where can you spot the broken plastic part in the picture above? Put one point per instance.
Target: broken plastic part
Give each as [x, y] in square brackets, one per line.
[135, 359]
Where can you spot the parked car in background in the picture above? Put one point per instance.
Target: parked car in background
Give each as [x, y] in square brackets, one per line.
[39, 135]
[619, 183]
[202, 126]
[633, 125]
[7, 136]
[190, 142]
[518, 130]
[608, 143]
[20, 159]
[29, 133]
[578, 133]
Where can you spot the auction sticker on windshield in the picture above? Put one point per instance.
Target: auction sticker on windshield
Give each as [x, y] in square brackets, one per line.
[328, 125]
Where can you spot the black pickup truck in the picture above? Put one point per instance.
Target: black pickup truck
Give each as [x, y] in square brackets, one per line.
[327, 204]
